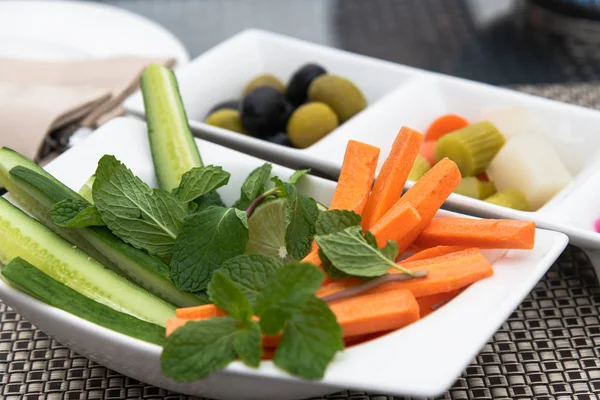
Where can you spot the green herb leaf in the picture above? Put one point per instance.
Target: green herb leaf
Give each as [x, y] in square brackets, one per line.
[284, 293]
[242, 216]
[250, 272]
[300, 218]
[279, 186]
[71, 213]
[333, 221]
[297, 175]
[228, 296]
[207, 239]
[390, 250]
[329, 269]
[146, 218]
[350, 252]
[310, 339]
[199, 181]
[371, 239]
[248, 344]
[199, 348]
[253, 186]
[212, 198]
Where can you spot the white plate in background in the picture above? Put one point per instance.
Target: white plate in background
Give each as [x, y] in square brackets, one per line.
[423, 359]
[398, 95]
[58, 30]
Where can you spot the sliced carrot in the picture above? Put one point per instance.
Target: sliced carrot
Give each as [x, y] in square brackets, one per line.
[174, 323]
[481, 233]
[429, 304]
[428, 151]
[397, 224]
[392, 177]
[356, 177]
[432, 252]
[426, 196]
[445, 274]
[200, 312]
[445, 124]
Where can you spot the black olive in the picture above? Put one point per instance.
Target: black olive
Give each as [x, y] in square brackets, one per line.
[229, 104]
[265, 111]
[298, 86]
[280, 138]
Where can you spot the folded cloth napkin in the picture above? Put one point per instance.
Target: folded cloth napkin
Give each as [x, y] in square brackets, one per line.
[37, 97]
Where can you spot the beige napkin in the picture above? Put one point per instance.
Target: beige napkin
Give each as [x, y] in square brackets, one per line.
[37, 97]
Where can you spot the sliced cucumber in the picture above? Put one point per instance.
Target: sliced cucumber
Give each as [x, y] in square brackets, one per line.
[86, 190]
[174, 151]
[36, 191]
[23, 236]
[32, 280]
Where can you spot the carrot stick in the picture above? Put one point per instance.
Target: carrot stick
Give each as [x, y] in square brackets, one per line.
[426, 196]
[428, 303]
[174, 323]
[481, 233]
[199, 312]
[395, 225]
[428, 151]
[394, 172]
[445, 124]
[432, 252]
[356, 177]
[445, 274]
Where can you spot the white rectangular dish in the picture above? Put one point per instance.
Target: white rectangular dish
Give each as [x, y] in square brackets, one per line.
[397, 96]
[423, 359]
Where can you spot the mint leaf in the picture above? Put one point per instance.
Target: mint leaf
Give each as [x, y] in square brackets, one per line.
[253, 186]
[329, 269]
[371, 239]
[146, 218]
[207, 239]
[297, 175]
[350, 252]
[250, 272]
[199, 181]
[279, 187]
[390, 250]
[226, 295]
[212, 198]
[333, 221]
[284, 293]
[310, 339]
[71, 213]
[248, 344]
[300, 218]
[242, 216]
[199, 348]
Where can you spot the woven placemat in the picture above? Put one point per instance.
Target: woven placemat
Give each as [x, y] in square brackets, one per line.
[548, 349]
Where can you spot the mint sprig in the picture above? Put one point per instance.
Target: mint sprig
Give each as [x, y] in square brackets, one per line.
[253, 186]
[70, 213]
[199, 181]
[146, 218]
[282, 297]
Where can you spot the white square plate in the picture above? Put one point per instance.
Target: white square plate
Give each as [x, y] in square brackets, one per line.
[423, 359]
[397, 95]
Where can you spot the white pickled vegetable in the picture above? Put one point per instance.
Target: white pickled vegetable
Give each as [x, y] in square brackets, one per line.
[513, 121]
[529, 164]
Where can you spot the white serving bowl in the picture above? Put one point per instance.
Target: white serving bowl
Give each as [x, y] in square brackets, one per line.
[423, 359]
[398, 96]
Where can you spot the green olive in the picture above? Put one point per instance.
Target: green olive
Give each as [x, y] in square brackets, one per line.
[338, 93]
[264, 80]
[309, 123]
[227, 119]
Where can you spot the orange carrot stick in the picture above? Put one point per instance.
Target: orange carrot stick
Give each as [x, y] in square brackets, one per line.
[445, 124]
[426, 196]
[432, 252]
[481, 233]
[356, 177]
[174, 323]
[390, 181]
[445, 274]
[395, 225]
[428, 303]
[428, 151]
[200, 312]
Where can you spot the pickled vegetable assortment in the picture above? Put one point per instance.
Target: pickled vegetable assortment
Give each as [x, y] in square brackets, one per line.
[502, 158]
[312, 105]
